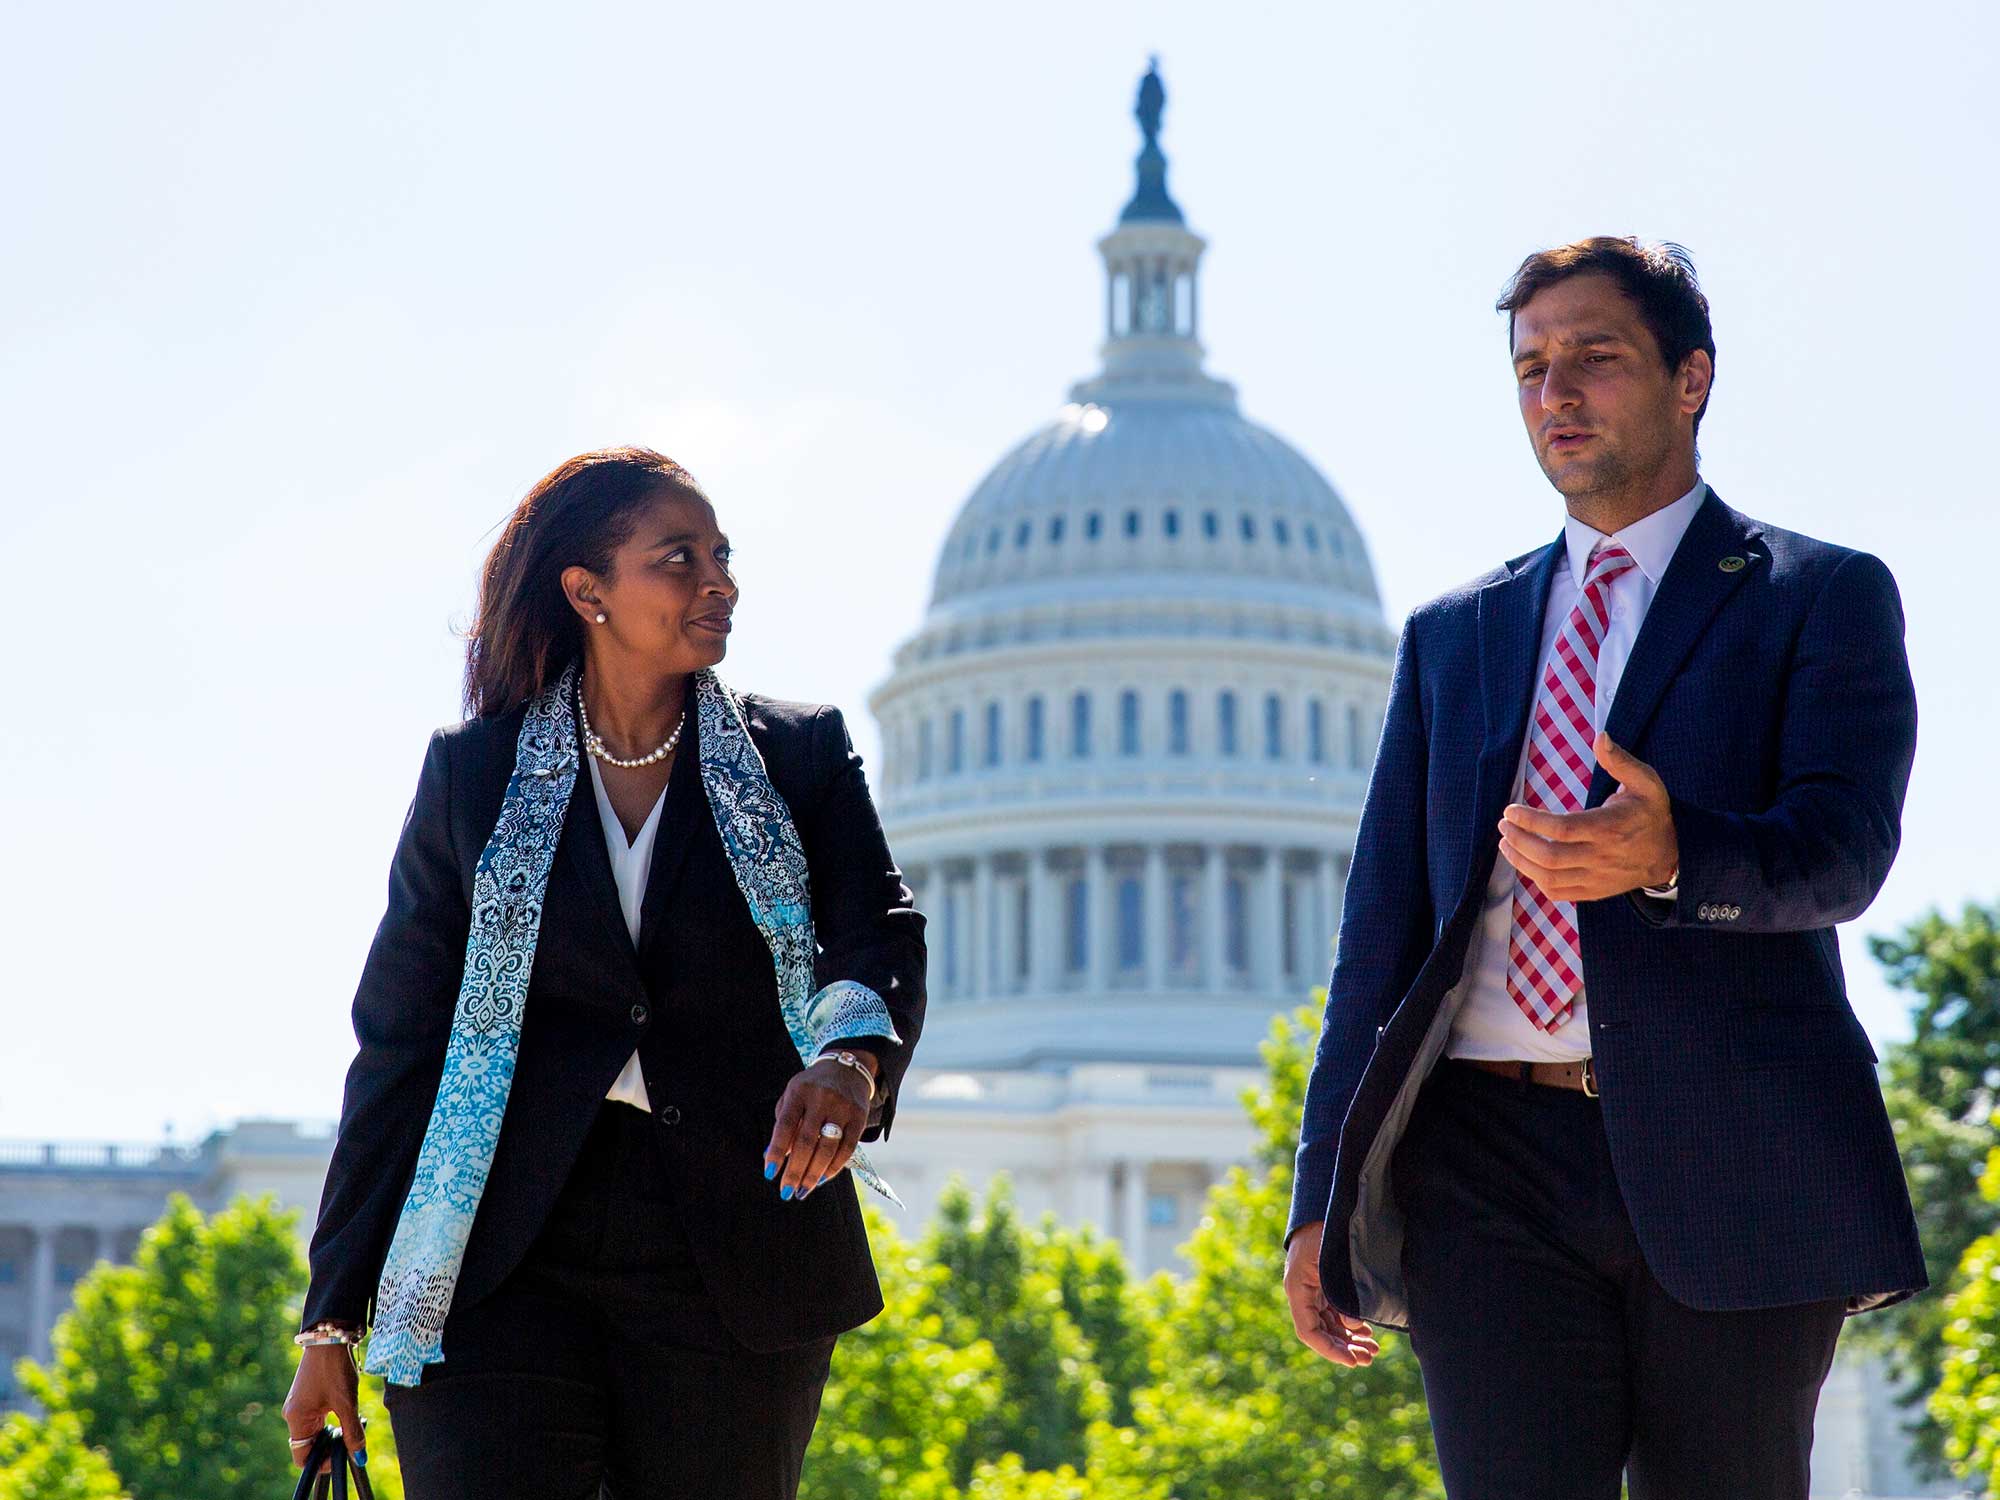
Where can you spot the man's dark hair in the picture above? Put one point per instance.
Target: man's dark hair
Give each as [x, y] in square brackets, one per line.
[1657, 277]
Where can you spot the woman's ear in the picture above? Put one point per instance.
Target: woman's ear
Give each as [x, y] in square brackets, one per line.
[579, 586]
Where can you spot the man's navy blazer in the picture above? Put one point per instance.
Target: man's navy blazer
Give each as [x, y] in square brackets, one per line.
[697, 997]
[1769, 689]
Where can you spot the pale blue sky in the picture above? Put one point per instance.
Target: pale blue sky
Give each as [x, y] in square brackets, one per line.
[298, 302]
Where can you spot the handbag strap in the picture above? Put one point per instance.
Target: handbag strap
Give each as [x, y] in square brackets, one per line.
[330, 1449]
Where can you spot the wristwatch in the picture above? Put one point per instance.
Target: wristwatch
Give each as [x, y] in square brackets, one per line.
[1667, 892]
[849, 1060]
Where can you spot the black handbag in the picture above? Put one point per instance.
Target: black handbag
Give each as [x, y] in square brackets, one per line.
[328, 1448]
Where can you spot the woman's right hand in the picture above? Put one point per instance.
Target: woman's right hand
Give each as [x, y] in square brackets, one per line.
[326, 1382]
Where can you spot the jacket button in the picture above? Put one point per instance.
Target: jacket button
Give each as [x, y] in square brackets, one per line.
[1702, 911]
[670, 1114]
[639, 1015]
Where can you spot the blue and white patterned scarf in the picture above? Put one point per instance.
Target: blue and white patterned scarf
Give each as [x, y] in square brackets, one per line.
[421, 1269]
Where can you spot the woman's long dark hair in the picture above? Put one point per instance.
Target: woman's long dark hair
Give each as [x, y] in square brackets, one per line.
[577, 515]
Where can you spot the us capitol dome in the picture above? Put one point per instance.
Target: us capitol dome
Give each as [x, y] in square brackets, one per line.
[1123, 760]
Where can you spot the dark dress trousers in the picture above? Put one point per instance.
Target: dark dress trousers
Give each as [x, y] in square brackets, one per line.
[1744, 1136]
[697, 999]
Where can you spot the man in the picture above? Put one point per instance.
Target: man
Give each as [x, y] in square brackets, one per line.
[1590, 1115]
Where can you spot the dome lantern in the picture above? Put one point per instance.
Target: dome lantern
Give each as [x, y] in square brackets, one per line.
[1152, 301]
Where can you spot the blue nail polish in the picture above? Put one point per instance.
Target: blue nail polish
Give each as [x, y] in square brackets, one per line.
[785, 1192]
[770, 1170]
[360, 1458]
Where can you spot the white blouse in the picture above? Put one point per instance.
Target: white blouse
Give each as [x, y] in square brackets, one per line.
[629, 866]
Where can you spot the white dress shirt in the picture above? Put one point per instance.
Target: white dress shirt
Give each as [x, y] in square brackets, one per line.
[1489, 1024]
[630, 864]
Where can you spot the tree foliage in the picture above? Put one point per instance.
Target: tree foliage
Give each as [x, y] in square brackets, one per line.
[47, 1459]
[1966, 1403]
[1940, 1087]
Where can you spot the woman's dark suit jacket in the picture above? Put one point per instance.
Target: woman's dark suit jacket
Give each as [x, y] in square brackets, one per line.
[698, 999]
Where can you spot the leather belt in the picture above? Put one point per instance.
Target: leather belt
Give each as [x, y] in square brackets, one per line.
[1579, 1077]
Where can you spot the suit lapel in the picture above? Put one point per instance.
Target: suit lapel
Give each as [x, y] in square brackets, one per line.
[1510, 640]
[686, 802]
[581, 859]
[1697, 581]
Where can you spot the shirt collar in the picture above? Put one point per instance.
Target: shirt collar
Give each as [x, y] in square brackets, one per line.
[1651, 540]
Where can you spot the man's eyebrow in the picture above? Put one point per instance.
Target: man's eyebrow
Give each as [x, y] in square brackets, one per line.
[1576, 339]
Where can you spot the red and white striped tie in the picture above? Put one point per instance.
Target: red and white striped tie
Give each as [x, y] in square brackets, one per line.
[1544, 958]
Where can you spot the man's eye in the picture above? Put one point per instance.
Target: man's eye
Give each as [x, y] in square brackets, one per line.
[1602, 359]
[1534, 373]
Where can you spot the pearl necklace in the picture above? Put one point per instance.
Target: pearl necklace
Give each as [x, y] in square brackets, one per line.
[594, 742]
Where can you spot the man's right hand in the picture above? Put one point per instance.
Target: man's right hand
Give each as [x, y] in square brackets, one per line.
[326, 1382]
[1321, 1328]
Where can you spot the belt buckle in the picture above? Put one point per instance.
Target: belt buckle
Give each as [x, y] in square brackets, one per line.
[1589, 1079]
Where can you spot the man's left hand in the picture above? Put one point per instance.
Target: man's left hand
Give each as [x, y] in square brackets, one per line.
[1624, 845]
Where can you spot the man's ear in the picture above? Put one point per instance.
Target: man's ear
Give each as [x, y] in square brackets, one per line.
[1697, 375]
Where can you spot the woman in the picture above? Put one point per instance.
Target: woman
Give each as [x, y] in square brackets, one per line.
[647, 978]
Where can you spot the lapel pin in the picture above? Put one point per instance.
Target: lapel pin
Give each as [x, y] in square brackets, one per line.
[1732, 565]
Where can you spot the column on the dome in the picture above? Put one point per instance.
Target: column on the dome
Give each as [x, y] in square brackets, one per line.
[1045, 922]
[1098, 918]
[1153, 935]
[1214, 918]
[980, 928]
[1090, 1196]
[1268, 948]
[1133, 1233]
[1321, 958]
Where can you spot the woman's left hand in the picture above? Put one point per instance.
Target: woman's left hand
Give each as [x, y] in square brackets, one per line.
[800, 1157]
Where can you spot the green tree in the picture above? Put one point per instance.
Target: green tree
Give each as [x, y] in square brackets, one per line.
[1941, 1087]
[905, 1400]
[1966, 1403]
[1003, 1285]
[1237, 1408]
[176, 1365]
[47, 1459]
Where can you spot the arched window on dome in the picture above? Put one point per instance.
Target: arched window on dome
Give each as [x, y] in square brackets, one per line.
[1316, 732]
[1032, 748]
[1211, 525]
[1337, 542]
[1131, 925]
[1131, 523]
[1281, 532]
[1170, 523]
[993, 541]
[1093, 526]
[924, 749]
[1249, 523]
[971, 545]
[1356, 751]
[1274, 727]
[954, 744]
[1312, 537]
[1225, 722]
[1079, 726]
[1055, 528]
[992, 747]
[1022, 533]
[1128, 723]
[1177, 722]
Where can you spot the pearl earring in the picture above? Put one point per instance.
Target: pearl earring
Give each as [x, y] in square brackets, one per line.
[600, 617]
